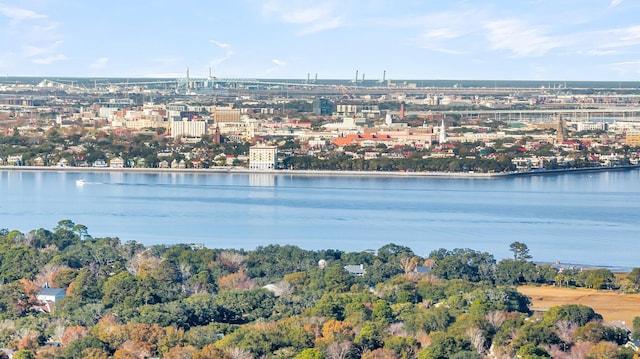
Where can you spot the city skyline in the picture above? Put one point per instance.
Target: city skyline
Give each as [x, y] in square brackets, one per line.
[530, 40]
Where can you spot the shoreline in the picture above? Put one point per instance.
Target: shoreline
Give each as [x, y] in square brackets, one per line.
[242, 170]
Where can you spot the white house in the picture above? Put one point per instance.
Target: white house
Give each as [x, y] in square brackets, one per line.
[51, 295]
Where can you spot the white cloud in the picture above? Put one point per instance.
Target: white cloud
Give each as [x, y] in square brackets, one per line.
[227, 55]
[32, 50]
[218, 60]
[608, 42]
[220, 44]
[311, 17]
[520, 38]
[442, 34]
[99, 63]
[18, 14]
[278, 64]
[448, 32]
[615, 3]
[626, 67]
[595, 52]
[50, 59]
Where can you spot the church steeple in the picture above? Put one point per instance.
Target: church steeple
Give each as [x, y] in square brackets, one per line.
[560, 131]
[443, 133]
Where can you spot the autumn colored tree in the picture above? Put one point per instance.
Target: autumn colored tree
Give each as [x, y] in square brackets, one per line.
[603, 350]
[131, 350]
[237, 280]
[145, 336]
[109, 331]
[210, 351]
[179, 352]
[337, 331]
[73, 333]
[95, 353]
[379, 353]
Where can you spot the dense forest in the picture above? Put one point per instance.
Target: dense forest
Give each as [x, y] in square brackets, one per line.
[125, 300]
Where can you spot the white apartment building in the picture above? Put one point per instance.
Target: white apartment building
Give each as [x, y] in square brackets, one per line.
[187, 128]
[263, 157]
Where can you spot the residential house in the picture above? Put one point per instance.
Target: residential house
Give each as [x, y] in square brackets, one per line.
[117, 162]
[357, 269]
[51, 295]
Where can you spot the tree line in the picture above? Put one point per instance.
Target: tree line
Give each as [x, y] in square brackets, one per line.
[125, 300]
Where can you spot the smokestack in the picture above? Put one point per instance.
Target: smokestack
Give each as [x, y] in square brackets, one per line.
[363, 77]
[384, 75]
[308, 77]
[402, 110]
[356, 76]
[316, 79]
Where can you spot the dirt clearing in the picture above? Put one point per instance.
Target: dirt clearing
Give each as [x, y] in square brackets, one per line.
[610, 304]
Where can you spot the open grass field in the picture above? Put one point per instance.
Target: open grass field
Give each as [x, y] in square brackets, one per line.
[610, 304]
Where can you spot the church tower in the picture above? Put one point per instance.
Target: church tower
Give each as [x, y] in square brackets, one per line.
[443, 133]
[560, 131]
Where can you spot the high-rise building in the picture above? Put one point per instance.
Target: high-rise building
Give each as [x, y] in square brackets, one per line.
[226, 115]
[263, 157]
[322, 106]
[186, 128]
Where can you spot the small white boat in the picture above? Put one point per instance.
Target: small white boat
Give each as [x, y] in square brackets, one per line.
[81, 182]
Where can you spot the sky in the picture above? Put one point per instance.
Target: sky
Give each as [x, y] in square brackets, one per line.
[568, 40]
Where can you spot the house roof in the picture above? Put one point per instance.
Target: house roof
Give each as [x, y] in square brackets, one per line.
[53, 292]
[355, 269]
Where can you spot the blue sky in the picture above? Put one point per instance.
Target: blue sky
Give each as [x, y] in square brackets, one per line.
[409, 39]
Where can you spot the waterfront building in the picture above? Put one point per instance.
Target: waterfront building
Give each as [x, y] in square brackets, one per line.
[117, 162]
[263, 157]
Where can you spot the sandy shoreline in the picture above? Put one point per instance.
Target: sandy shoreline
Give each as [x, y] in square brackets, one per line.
[242, 170]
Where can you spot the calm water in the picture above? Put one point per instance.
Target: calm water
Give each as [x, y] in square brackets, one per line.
[591, 219]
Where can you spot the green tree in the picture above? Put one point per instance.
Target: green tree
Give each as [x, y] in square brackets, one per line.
[530, 351]
[465, 264]
[120, 290]
[309, 353]
[520, 251]
[634, 278]
[382, 312]
[596, 332]
[444, 346]
[636, 329]
[24, 354]
[85, 286]
[574, 313]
